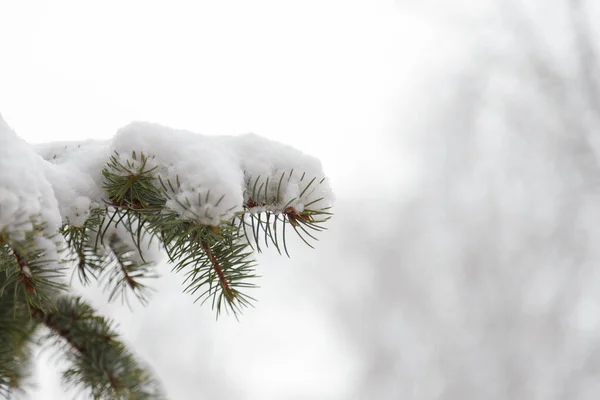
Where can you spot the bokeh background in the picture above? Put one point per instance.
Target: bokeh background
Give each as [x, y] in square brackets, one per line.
[461, 138]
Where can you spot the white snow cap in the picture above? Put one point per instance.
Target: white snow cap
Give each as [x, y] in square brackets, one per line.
[26, 194]
[218, 175]
[278, 175]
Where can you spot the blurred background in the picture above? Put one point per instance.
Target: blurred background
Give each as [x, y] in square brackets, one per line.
[461, 141]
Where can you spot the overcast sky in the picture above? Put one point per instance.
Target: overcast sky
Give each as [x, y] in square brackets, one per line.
[460, 141]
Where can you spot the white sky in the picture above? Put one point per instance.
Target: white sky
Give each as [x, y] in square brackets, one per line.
[318, 75]
[315, 74]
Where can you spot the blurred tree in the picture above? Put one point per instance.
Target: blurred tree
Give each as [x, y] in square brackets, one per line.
[487, 286]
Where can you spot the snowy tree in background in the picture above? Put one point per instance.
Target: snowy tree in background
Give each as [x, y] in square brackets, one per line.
[105, 211]
[493, 292]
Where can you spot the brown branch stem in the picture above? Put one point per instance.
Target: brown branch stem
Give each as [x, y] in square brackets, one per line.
[216, 266]
[52, 322]
[49, 320]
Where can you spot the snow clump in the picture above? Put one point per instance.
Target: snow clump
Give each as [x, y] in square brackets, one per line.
[213, 177]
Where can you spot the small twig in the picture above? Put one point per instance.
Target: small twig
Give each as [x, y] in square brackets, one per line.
[217, 268]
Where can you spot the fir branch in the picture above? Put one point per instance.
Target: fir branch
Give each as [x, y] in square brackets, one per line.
[266, 214]
[201, 250]
[213, 266]
[119, 267]
[100, 363]
[16, 331]
[84, 255]
[131, 185]
[217, 264]
[216, 258]
[28, 272]
[126, 273]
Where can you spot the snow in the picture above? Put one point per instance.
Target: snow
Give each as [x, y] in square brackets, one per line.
[218, 173]
[265, 161]
[59, 182]
[27, 197]
[74, 168]
[206, 169]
